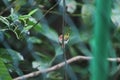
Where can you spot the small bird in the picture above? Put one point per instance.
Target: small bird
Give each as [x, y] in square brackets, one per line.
[66, 38]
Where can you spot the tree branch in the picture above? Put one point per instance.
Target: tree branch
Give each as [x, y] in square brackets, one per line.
[58, 66]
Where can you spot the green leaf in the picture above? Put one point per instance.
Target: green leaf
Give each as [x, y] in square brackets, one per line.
[32, 21]
[87, 12]
[51, 34]
[23, 17]
[26, 28]
[55, 75]
[34, 40]
[4, 75]
[9, 55]
[46, 31]
[13, 15]
[32, 12]
[3, 30]
[73, 51]
[4, 20]
[71, 5]
[43, 56]
[39, 65]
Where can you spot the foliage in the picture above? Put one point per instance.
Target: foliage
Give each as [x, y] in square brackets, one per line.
[4, 75]
[29, 31]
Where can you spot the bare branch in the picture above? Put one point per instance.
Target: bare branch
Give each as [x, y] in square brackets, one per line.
[58, 66]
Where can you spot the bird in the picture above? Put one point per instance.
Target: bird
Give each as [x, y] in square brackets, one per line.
[66, 38]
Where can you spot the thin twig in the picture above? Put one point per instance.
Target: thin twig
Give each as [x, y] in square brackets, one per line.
[58, 66]
[7, 8]
[45, 14]
[63, 41]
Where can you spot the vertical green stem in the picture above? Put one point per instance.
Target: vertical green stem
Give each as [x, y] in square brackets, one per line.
[63, 45]
[99, 63]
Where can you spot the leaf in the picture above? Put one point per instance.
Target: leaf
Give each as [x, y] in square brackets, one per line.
[34, 40]
[18, 4]
[55, 75]
[10, 55]
[43, 63]
[39, 65]
[43, 56]
[73, 51]
[71, 5]
[115, 16]
[32, 21]
[13, 15]
[87, 13]
[4, 20]
[25, 29]
[23, 17]
[46, 31]
[4, 75]
[51, 34]
[32, 12]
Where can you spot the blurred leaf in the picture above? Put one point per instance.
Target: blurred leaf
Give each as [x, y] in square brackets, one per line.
[3, 30]
[9, 55]
[18, 4]
[115, 16]
[4, 20]
[73, 51]
[71, 5]
[34, 40]
[23, 17]
[32, 12]
[13, 15]
[87, 12]
[77, 69]
[4, 75]
[42, 55]
[32, 21]
[54, 76]
[49, 33]
[40, 65]
[74, 38]
[12, 56]
[26, 29]
[43, 62]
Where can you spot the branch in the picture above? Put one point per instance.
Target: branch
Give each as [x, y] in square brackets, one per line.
[58, 66]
